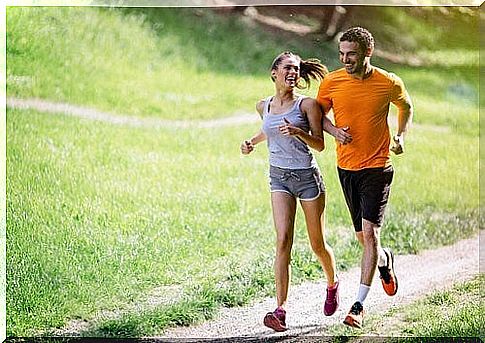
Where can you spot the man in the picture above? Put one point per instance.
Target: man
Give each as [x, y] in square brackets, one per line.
[360, 95]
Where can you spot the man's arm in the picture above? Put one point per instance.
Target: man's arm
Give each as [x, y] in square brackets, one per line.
[405, 116]
[404, 119]
[341, 134]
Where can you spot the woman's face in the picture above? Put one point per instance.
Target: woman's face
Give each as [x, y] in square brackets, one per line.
[287, 73]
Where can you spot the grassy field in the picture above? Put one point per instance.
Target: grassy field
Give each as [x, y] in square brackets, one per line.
[101, 217]
[453, 313]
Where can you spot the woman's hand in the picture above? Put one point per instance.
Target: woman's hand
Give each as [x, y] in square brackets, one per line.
[289, 130]
[246, 147]
[398, 146]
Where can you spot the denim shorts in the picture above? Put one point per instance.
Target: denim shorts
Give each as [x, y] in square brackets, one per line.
[306, 184]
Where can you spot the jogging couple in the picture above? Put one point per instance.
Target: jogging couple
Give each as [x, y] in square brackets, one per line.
[360, 95]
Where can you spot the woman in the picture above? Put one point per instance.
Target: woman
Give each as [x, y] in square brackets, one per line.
[292, 124]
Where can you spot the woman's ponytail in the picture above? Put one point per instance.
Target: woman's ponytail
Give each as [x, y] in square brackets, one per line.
[311, 68]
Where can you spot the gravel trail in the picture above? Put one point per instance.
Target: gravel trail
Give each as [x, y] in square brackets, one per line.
[418, 275]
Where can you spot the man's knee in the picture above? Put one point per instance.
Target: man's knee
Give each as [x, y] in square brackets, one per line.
[370, 232]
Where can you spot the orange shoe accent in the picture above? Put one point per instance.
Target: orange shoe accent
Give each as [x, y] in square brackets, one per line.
[388, 277]
[355, 316]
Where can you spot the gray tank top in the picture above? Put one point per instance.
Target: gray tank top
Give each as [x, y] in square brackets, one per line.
[287, 151]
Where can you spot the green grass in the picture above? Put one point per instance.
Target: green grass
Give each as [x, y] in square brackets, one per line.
[113, 220]
[127, 206]
[173, 66]
[101, 218]
[455, 312]
[421, 29]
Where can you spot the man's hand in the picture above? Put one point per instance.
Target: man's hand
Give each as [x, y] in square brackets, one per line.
[398, 146]
[342, 136]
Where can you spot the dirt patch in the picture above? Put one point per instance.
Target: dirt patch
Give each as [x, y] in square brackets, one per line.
[418, 275]
[238, 118]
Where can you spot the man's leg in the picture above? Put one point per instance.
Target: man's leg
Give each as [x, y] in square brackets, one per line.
[375, 195]
[372, 246]
[373, 190]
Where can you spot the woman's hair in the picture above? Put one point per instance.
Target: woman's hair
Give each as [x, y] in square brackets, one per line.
[310, 68]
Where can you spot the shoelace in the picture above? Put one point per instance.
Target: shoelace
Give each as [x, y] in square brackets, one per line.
[356, 309]
[385, 274]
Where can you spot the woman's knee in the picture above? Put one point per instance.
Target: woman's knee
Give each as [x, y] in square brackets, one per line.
[320, 248]
[284, 242]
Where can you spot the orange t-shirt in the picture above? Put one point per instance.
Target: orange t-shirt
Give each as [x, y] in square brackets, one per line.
[363, 106]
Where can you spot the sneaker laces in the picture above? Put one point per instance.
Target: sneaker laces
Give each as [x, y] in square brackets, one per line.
[385, 274]
[331, 295]
[356, 308]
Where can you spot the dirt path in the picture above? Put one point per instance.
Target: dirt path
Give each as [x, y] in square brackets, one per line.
[418, 275]
[93, 114]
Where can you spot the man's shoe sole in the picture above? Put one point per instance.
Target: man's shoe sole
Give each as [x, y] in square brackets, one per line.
[352, 323]
[393, 273]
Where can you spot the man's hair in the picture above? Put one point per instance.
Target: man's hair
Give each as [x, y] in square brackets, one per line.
[360, 35]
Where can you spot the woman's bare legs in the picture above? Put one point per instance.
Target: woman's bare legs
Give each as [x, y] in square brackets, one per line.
[315, 221]
[284, 209]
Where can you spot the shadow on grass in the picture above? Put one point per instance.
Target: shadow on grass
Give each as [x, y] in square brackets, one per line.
[230, 42]
[226, 40]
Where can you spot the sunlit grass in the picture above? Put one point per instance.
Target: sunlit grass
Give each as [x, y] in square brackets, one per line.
[99, 217]
[95, 222]
[454, 313]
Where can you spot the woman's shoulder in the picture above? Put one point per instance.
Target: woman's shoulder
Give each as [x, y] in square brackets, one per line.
[260, 105]
[309, 106]
[307, 101]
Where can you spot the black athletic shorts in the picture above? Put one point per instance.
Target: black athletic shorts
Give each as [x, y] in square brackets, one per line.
[366, 192]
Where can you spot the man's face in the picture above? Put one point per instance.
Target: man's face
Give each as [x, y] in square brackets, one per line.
[352, 57]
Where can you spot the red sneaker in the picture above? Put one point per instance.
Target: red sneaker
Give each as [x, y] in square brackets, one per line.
[332, 300]
[276, 320]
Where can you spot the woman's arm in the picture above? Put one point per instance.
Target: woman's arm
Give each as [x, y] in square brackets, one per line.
[315, 138]
[248, 145]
